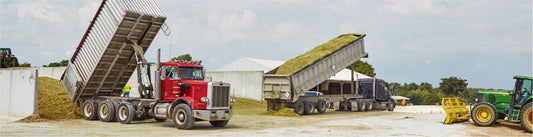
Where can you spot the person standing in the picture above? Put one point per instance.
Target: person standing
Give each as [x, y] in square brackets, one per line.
[126, 90]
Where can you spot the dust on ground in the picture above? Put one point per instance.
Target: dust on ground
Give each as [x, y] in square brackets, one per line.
[404, 121]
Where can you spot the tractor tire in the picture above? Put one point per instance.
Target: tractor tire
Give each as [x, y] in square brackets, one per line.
[321, 106]
[1, 61]
[160, 119]
[89, 110]
[526, 116]
[390, 105]
[363, 105]
[219, 123]
[298, 107]
[182, 116]
[125, 113]
[14, 62]
[309, 107]
[106, 111]
[484, 114]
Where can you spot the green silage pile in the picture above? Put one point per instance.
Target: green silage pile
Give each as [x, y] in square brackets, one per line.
[318, 52]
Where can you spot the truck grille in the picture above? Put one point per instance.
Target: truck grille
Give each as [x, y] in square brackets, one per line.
[220, 96]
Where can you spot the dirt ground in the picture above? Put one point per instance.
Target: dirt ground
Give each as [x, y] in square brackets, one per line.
[404, 121]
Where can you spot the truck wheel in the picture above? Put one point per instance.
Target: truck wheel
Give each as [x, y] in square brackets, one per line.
[221, 123]
[309, 107]
[182, 116]
[526, 117]
[298, 107]
[390, 105]
[106, 111]
[368, 105]
[363, 105]
[484, 114]
[125, 113]
[88, 110]
[321, 106]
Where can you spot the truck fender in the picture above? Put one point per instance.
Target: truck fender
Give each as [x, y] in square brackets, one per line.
[177, 102]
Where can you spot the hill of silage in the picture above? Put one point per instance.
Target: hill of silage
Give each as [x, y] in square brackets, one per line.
[294, 64]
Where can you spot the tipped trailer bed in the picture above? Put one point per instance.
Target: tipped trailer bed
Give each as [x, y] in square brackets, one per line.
[104, 59]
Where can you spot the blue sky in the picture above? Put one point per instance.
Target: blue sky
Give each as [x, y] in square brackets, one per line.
[483, 41]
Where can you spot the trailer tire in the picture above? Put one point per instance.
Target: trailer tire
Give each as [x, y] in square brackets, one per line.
[89, 110]
[221, 123]
[182, 116]
[321, 106]
[106, 111]
[368, 104]
[309, 107]
[125, 113]
[484, 114]
[298, 107]
[363, 105]
[390, 105]
[526, 117]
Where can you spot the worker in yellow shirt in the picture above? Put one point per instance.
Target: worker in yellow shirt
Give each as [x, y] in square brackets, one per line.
[126, 90]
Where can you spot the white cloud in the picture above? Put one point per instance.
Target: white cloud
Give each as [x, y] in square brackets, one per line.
[415, 6]
[236, 20]
[45, 53]
[289, 2]
[427, 61]
[38, 9]
[343, 5]
[289, 27]
[86, 13]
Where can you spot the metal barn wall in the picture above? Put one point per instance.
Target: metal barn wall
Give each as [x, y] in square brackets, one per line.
[244, 84]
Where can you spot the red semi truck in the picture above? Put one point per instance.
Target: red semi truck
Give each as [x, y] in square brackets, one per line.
[113, 48]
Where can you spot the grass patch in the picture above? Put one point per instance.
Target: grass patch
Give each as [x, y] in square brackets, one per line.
[316, 53]
[54, 102]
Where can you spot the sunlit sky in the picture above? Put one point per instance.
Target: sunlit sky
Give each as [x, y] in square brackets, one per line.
[486, 42]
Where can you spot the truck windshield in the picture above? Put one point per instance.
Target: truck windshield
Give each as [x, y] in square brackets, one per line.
[191, 73]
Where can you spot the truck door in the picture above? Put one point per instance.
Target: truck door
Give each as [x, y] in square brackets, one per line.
[382, 91]
[170, 84]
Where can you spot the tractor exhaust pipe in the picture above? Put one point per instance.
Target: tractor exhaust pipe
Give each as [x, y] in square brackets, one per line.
[157, 82]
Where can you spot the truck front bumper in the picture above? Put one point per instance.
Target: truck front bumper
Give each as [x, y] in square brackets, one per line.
[213, 115]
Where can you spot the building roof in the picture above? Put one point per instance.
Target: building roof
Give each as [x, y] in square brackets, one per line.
[251, 64]
[265, 65]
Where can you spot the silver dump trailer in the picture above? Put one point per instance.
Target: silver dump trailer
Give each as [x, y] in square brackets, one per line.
[290, 90]
[104, 59]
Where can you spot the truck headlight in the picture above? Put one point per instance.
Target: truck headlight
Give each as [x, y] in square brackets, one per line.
[231, 100]
[205, 99]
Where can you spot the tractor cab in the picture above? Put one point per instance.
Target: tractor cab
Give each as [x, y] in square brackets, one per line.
[521, 95]
[7, 59]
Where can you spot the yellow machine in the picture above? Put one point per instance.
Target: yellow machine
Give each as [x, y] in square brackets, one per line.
[456, 110]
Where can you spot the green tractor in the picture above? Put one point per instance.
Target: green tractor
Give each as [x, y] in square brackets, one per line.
[7, 59]
[515, 105]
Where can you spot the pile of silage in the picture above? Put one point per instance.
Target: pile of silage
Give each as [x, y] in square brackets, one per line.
[284, 112]
[54, 102]
[318, 52]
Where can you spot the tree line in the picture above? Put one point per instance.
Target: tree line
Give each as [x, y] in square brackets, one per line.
[425, 94]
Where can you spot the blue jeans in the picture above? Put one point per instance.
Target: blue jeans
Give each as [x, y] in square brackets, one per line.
[126, 94]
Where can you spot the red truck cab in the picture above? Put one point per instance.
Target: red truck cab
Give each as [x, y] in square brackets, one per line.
[183, 82]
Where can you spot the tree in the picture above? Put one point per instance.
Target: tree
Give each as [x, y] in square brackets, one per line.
[452, 86]
[395, 88]
[426, 86]
[57, 64]
[362, 67]
[185, 57]
[25, 64]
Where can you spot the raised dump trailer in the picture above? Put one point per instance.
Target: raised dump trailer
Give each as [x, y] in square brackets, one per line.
[290, 90]
[109, 52]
